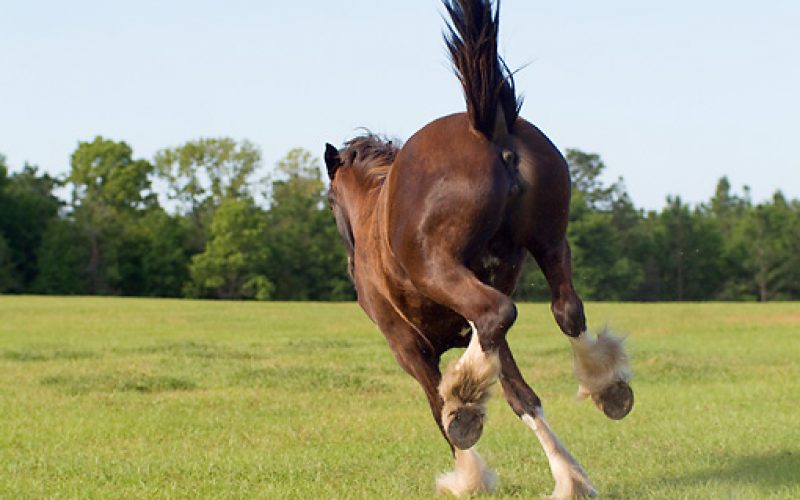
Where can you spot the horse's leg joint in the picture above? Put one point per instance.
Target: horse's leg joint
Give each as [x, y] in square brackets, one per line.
[568, 312]
[520, 396]
[494, 324]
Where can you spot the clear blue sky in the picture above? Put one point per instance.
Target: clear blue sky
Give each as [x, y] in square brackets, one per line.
[673, 95]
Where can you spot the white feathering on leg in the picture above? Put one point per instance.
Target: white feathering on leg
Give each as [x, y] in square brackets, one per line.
[471, 476]
[468, 380]
[571, 480]
[599, 362]
[474, 353]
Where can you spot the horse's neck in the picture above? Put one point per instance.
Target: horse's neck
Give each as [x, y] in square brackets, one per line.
[369, 213]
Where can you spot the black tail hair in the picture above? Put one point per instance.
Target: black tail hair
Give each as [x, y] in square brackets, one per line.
[471, 39]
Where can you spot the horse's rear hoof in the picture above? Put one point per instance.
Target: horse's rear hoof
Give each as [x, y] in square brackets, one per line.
[616, 400]
[466, 426]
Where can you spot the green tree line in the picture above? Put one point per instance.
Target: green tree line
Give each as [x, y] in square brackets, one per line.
[202, 220]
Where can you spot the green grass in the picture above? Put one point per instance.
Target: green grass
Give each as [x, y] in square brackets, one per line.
[134, 398]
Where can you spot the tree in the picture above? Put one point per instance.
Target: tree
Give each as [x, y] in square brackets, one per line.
[602, 232]
[201, 174]
[165, 257]
[109, 189]
[8, 278]
[689, 248]
[208, 171]
[232, 265]
[585, 170]
[791, 263]
[62, 260]
[307, 261]
[727, 211]
[104, 173]
[769, 234]
[27, 205]
[726, 207]
[603, 269]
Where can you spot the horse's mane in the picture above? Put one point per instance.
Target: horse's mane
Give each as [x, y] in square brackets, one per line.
[372, 154]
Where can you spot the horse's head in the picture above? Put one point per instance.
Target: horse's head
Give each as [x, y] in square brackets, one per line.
[341, 183]
[356, 172]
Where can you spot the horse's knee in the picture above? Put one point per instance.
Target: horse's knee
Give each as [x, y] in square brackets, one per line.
[493, 324]
[568, 313]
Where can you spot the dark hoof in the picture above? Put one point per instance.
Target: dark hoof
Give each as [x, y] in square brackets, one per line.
[466, 427]
[616, 400]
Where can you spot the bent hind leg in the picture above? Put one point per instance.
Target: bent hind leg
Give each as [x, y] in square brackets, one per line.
[466, 384]
[601, 364]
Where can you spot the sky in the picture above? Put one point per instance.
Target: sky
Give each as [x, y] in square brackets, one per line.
[672, 95]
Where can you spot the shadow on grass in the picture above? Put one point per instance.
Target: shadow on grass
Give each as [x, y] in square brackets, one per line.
[764, 471]
[768, 473]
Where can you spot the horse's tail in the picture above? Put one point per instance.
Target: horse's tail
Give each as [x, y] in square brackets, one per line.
[471, 38]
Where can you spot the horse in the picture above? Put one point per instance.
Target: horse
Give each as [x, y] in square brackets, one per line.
[436, 232]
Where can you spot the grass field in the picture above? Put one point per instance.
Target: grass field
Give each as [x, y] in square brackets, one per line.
[133, 398]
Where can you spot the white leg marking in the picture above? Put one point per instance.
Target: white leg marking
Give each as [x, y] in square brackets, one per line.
[468, 381]
[474, 353]
[599, 362]
[571, 480]
[471, 476]
[465, 388]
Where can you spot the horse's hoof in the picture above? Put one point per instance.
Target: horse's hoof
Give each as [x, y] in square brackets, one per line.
[466, 426]
[616, 400]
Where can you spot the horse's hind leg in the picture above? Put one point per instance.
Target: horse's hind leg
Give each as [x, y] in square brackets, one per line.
[466, 384]
[601, 365]
[570, 478]
[471, 475]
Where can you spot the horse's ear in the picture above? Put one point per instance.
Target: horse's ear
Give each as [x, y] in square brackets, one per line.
[332, 160]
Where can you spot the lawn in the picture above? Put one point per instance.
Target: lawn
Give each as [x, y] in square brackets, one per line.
[137, 398]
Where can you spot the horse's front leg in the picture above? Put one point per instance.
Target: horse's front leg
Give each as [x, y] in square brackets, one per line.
[470, 475]
[601, 364]
[570, 478]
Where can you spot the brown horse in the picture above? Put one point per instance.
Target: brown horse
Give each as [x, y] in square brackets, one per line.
[436, 233]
